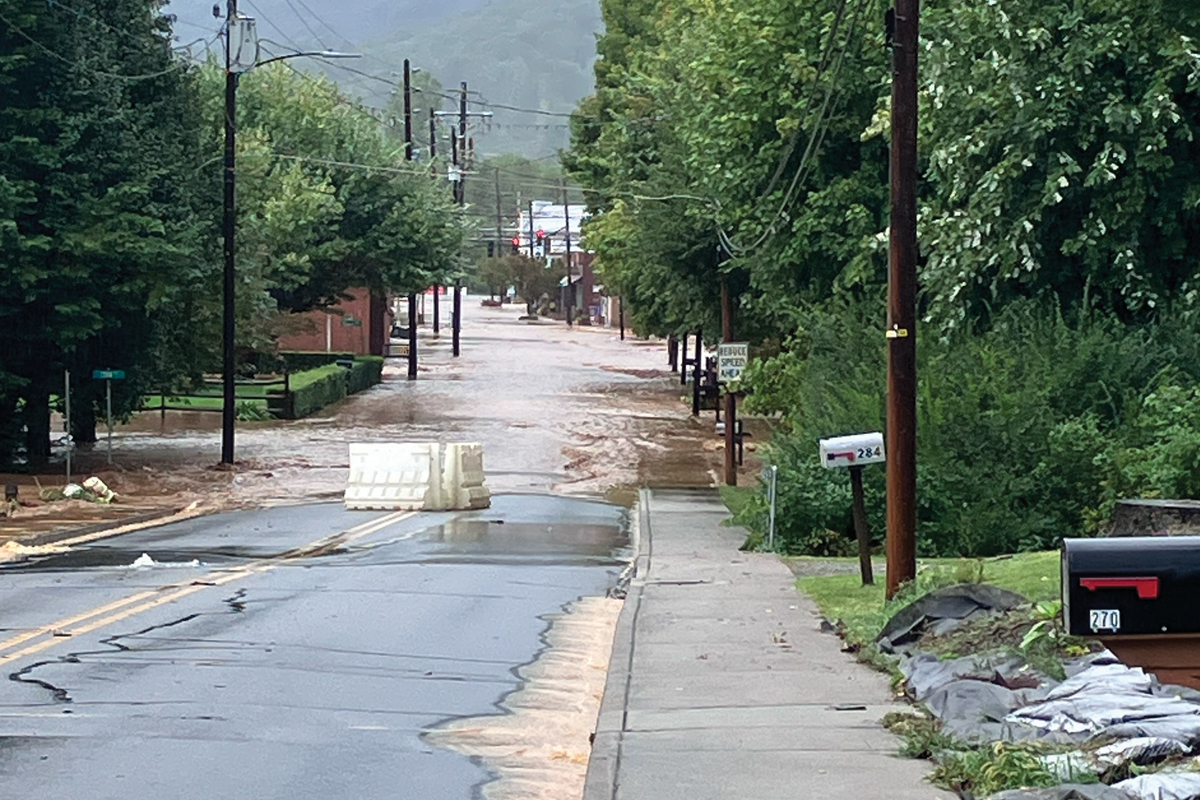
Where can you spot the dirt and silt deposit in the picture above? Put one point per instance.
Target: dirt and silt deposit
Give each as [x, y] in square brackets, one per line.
[572, 411]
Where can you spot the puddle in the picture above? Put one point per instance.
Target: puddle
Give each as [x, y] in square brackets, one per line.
[475, 538]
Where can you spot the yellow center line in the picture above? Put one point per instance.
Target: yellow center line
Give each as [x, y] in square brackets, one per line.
[176, 591]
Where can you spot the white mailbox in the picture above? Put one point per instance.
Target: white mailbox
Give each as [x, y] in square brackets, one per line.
[853, 451]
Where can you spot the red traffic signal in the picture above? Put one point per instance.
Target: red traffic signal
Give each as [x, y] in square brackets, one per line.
[541, 234]
[516, 242]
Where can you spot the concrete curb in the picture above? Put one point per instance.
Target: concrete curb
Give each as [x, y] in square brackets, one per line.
[53, 537]
[601, 781]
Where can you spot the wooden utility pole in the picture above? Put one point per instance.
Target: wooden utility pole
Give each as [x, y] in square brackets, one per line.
[730, 398]
[902, 302]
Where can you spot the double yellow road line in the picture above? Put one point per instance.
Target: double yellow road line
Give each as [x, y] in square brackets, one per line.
[46, 636]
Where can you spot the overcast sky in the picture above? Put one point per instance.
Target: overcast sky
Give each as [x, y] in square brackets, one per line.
[307, 20]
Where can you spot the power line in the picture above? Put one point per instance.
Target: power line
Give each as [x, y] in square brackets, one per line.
[816, 139]
[307, 27]
[288, 39]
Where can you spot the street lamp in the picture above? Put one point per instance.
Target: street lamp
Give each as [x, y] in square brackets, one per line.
[241, 55]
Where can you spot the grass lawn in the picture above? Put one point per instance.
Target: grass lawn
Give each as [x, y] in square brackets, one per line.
[864, 611]
[152, 402]
[737, 498]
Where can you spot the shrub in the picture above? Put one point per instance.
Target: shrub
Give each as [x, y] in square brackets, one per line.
[301, 360]
[315, 389]
[364, 373]
[1028, 431]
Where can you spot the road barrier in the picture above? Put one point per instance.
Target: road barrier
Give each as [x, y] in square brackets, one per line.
[416, 476]
[463, 478]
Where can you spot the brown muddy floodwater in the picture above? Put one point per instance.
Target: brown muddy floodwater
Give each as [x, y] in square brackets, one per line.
[575, 411]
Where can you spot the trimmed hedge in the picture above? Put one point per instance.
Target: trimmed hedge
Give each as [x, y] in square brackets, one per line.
[364, 373]
[302, 360]
[313, 389]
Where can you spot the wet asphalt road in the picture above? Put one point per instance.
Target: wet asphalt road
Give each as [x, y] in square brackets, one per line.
[294, 652]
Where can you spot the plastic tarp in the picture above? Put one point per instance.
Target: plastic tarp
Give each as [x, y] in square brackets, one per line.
[1141, 751]
[943, 610]
[1162, 786]
[1069, 791]
[1112, 701]
[998, 697]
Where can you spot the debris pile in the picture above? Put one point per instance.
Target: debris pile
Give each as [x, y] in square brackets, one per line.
[1099, 729]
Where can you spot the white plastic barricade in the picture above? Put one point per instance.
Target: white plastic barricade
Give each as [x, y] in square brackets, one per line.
[463, 479]
[393, 476]
[416, 476]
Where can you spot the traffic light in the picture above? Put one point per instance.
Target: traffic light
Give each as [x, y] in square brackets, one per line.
[491, 249]
[516, 243]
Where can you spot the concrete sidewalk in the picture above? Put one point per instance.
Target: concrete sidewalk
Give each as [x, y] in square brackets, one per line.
[722, 685]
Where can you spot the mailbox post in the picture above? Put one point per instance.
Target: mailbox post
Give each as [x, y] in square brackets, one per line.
[855, 452]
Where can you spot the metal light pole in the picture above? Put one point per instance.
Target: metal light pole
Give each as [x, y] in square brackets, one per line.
[228, 229]
[408, 155]
[408, 140]
[570, 294]
[456, 309]
[237, 61]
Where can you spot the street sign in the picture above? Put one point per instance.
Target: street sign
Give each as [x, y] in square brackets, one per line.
[108, 376]
[731, 360]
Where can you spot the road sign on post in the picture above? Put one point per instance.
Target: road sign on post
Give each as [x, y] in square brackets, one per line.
[108, 376]
[731, 360]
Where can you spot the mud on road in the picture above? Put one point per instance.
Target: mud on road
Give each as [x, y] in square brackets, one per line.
[574, 411]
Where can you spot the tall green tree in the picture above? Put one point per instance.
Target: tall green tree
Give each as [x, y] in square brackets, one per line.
[98, 150]
[1062, 155]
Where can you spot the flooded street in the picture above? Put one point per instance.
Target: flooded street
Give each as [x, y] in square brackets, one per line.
[566, 410]
[291, 648]
[311, 653]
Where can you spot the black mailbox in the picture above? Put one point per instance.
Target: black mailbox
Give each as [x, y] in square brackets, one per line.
[1132, 586]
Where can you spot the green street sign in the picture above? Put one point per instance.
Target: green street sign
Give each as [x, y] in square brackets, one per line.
[108, 374]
